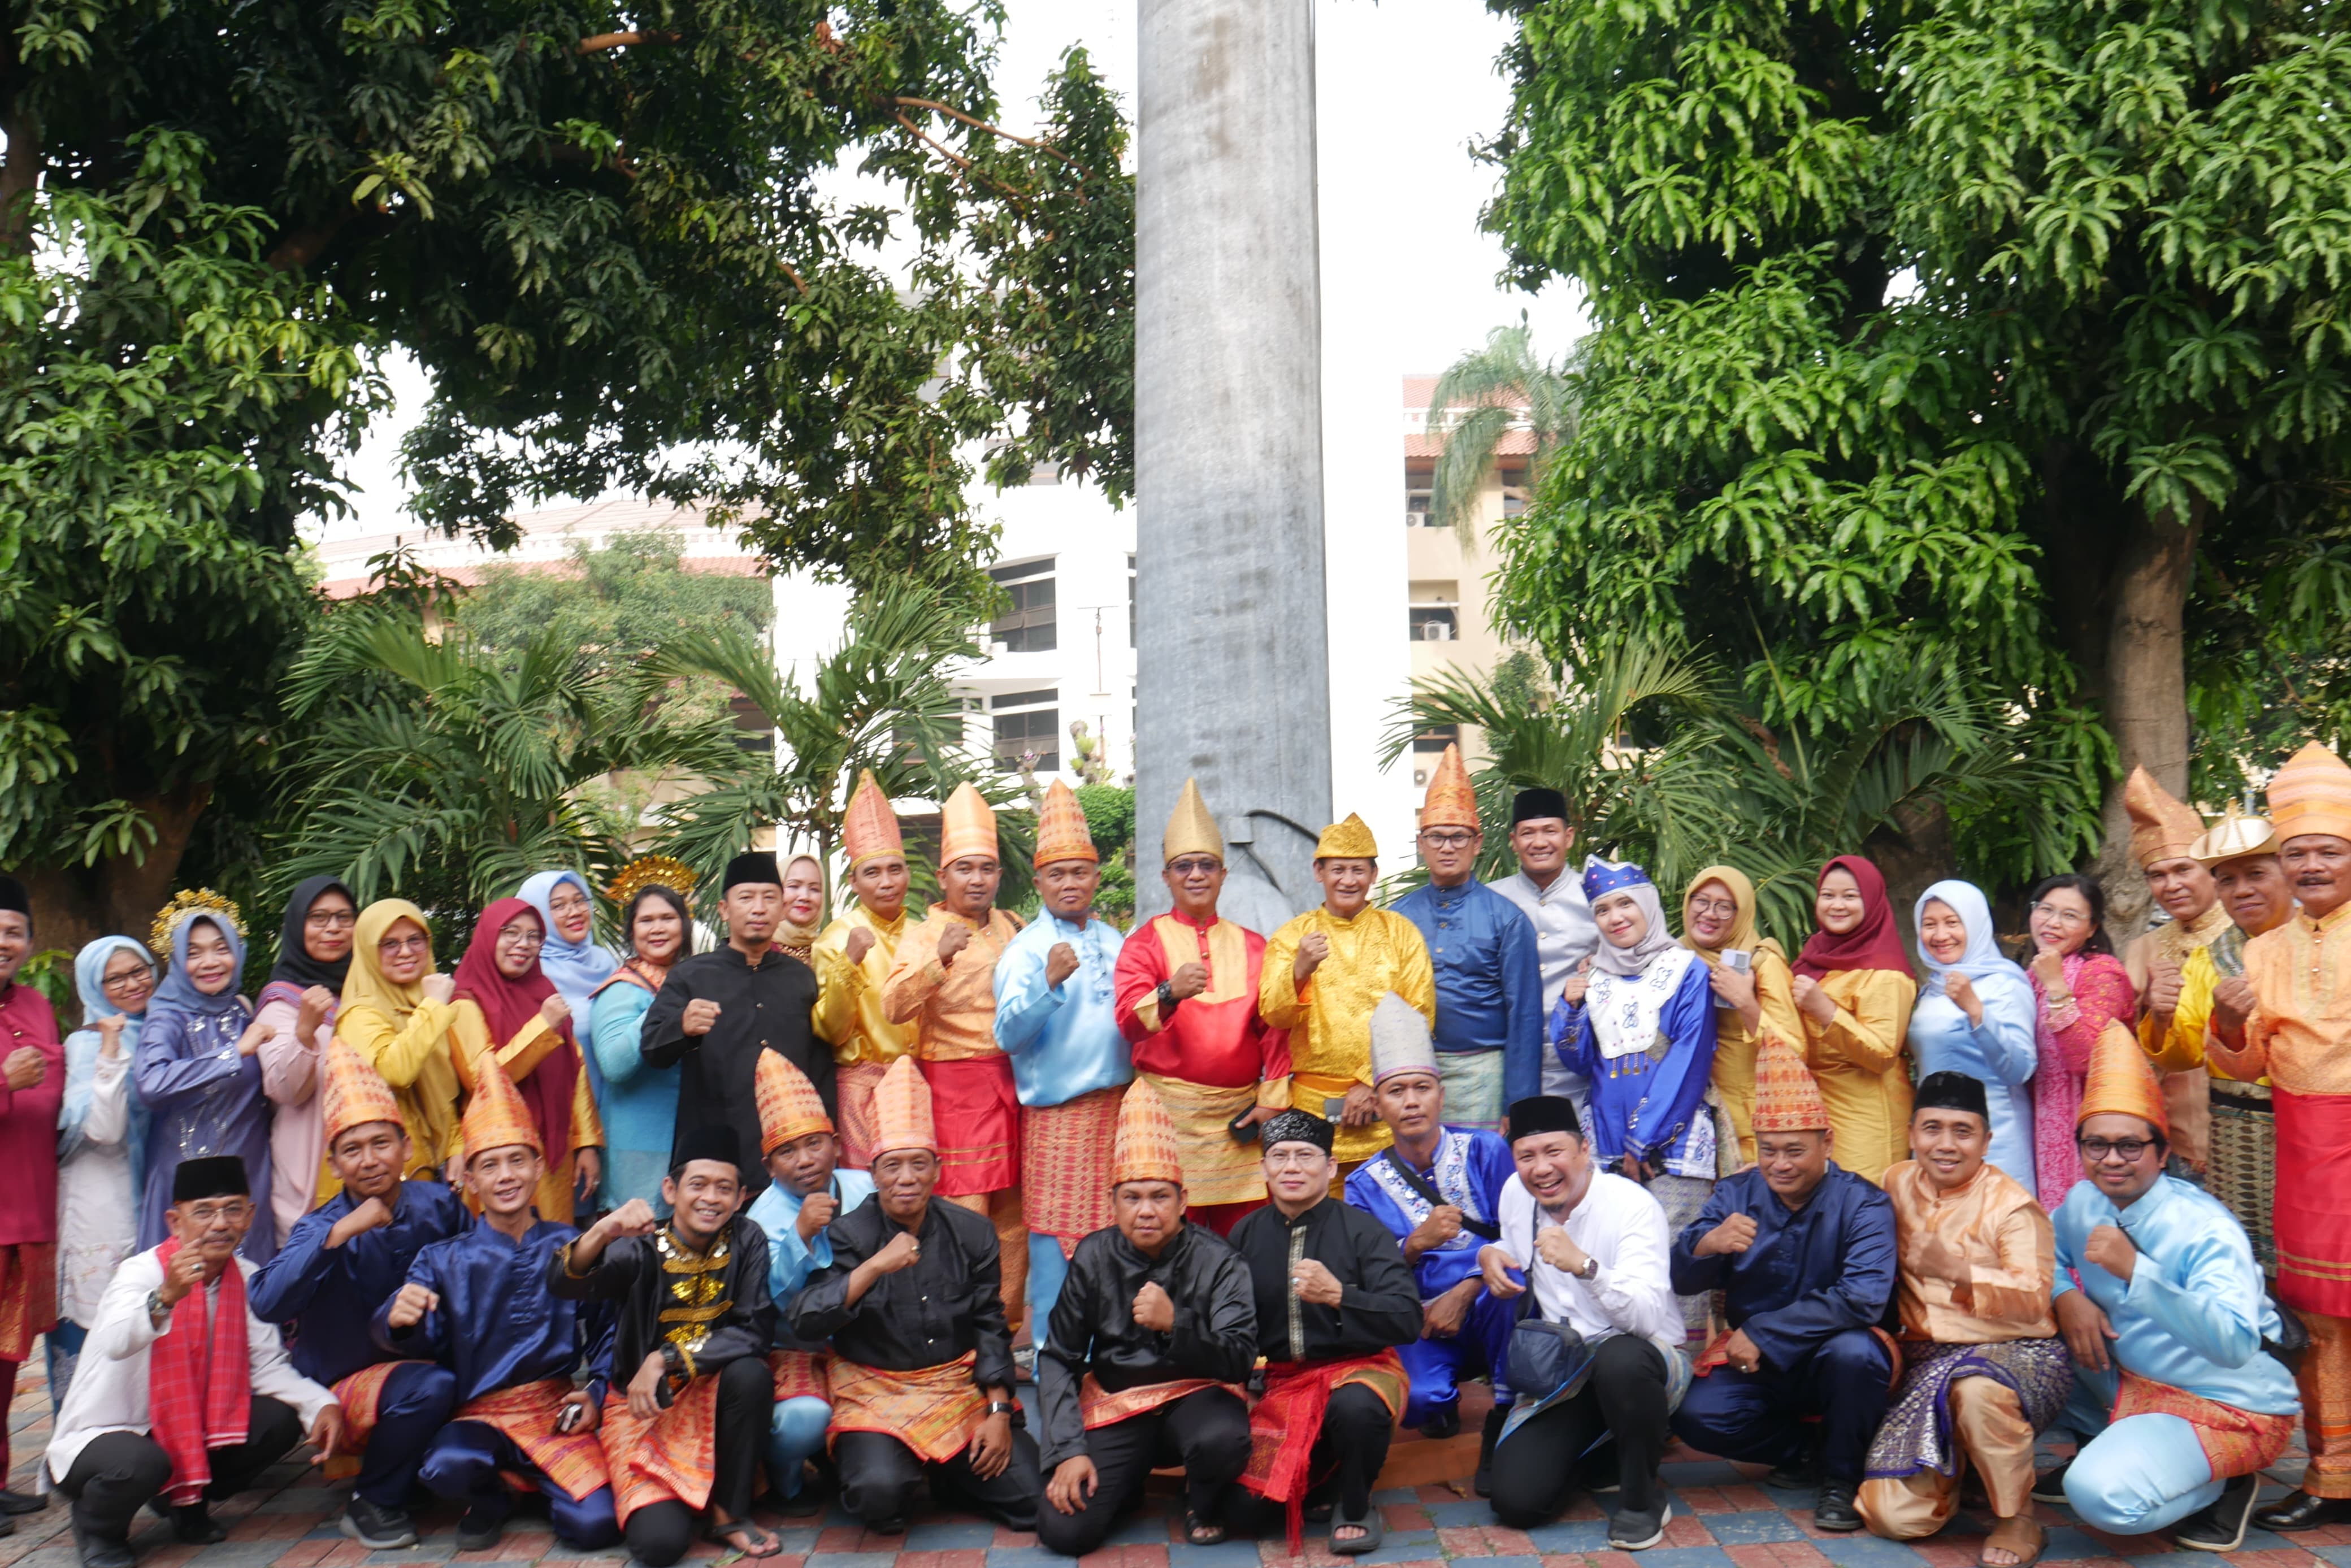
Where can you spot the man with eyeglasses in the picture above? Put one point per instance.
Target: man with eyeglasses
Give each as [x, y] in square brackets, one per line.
[2177, 1405]
[185, 1396]
[1489, 990]
[32, 1089]
[1553, 903]
[1188, 987]
[2291, 1020]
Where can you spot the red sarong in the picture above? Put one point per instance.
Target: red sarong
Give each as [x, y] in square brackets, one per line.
[2235, 1442]
[933, 1410]
[360, 1395]
[977, 1114]
[28, 1296]
[855, 1084]
[1099, 1406]
[1065, 1153]
[1287, 1422]
[527, 1412]
[2312, 1208]
[800, 1374]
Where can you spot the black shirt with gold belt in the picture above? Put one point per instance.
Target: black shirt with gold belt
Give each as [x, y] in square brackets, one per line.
[712, 1306]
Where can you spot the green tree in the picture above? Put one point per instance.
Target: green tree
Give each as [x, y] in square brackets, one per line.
[604, 236]
[1110, 823]
[1998, 334]
[1499, 387]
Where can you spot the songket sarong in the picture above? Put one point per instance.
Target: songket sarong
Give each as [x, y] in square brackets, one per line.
[855, 1084]
[527, 1412]
[28, 1296]
[1916, 1434]
[2314, 1201]
[977, 1112]
[362, 1396]
[1218, 1168]
[672, 1457]
[1098, 1407]
[1287, 1420]
[1065, 1166]
[2235, 1442]
[933, 1410]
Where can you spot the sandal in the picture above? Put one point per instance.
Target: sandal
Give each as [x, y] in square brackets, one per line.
[2022, 1535]
[755, 1542]
[1199, 1532]
[1374, 1529]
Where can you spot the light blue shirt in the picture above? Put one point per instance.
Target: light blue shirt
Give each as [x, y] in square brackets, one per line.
[2194, 1314]
[1063, 1039]
[790, 1260]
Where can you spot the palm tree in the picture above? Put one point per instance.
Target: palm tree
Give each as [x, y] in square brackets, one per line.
[447, 773]
[1496, 388]
[883, 701]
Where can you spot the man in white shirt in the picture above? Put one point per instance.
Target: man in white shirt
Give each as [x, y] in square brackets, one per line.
[1554, 902]
[1598, 1249]
[155, 1411]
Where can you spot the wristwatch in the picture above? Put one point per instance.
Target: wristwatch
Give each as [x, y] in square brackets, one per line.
[156, 1306]
[1591, 1269]
[1001, 1407]
[1167, 997]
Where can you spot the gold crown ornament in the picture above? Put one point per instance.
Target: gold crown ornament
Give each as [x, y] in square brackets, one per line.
[651, 871]
[186, 905]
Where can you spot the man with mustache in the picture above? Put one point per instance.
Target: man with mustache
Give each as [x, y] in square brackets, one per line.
[2164, 834]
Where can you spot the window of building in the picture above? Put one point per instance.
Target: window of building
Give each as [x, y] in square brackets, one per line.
[1415, 509]
[1027, 734]
[1434, 623]
[1030, 625]
[1514, 503]
[1437, 737]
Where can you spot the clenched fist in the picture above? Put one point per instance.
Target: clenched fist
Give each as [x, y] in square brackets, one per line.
[1153, 1309]
[1736, 1234]
[700, 1017]
[952, 941]
[860, 943]
[816, 1210]
[409, 1307]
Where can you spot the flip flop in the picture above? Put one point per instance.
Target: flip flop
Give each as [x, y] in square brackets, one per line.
[1374, 1529]
[2022, 1535]
[1198, 1531]
[753, 1537]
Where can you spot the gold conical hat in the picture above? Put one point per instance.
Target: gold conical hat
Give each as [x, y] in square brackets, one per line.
[1451, 801]
[1350, 840]
[1191, 831]
[1061, 832]
[2311, 794]
[2121, 1081]
[870, 827]
[967, 826]
[2162, 827]
[1786, 1097]
[790, 1106]
[902, 1111]
[354, 1094]
[495, 1117]
[1144, 1148]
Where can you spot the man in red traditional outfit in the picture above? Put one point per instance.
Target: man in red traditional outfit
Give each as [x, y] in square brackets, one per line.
[1188, 989]
[32, 1087]
[2289, 1018]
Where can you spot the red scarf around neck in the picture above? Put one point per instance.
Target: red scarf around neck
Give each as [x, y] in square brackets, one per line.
[200, 1381]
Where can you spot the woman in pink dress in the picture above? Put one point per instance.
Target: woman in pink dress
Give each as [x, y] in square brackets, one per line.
[2080, 989]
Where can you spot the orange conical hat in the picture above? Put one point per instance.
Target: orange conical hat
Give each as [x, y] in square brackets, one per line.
[354, 1094]
[1451, 802]
[495, 1118]
[2311, 794]
[967, 826]
[902, 1111]
[1787, 1098]
[870, 827]
[1061, 829]
[1145, 1148]
[2121, 1081]
[789, 1105]
[2162, 827]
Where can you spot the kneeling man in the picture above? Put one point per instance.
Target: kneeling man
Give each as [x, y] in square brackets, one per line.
[921, 1377]
[2166, 1330]
[1804, 1253]
[184, 1395]
[1983, 1369]
[1334, 1300]
[1151, 1336]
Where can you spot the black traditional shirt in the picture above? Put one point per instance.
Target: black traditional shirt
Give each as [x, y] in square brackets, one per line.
[712, 1306]
[1379, 1304]
[762, 1009]
[948, 1302]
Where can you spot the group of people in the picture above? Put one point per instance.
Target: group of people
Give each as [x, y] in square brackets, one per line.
[616, 1232]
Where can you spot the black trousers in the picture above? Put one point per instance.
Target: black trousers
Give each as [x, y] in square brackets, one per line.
[878, 1475]
[1757, 1415]
[661, 1534]
[1206, 1432]
[1351, 1449]
[1535, 1467]
[117, 1473]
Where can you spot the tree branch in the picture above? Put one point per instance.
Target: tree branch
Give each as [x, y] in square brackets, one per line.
[598, 43]
[301, 247]
[20, 173]
[937, 108]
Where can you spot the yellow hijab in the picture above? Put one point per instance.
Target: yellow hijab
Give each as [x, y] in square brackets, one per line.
[1741, 934]
[428, 1100]
[365, 986]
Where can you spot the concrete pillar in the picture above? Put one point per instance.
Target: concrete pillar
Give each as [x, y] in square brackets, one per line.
[1232, 678]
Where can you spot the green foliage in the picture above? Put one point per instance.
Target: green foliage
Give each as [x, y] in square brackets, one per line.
[51, 973]
[1493, 383]
[1110, 823]
[1923, 325]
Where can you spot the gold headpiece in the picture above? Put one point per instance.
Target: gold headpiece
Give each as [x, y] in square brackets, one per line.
[1350, 839]
[185, 906]
[652, 871]
[2162, 826]
[2311, 794]
[1191, 831]
[2233, 837]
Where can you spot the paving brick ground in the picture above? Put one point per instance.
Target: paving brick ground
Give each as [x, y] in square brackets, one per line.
[1724, 1518]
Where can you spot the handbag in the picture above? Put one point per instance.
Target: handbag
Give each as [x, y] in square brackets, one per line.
[1547, 1361]
[1426, 1191]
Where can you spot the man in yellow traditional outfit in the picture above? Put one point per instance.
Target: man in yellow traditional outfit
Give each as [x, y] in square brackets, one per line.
[2164, 832]
[922, 1360]
[1324, 973]
[1187, 988]
[853, 957]
[942, 984]
[2297, 1030]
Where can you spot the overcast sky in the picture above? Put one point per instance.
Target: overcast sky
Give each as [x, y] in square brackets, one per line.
[1405, 86]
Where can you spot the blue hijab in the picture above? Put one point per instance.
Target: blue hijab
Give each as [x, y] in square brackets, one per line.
[82, 1048]
[178, 993]
[575, 967]
[1983, 960]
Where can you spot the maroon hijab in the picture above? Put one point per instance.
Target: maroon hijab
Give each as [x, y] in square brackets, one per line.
[509, 1005]
[1872, 944]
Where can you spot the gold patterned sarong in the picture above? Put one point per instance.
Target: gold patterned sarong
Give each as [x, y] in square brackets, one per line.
[672, 1455]
[1065, 1166]
[2235, 1442]
[527, 1412]
[362, 1395]
[1217, 1167]
[1100, 1407]
[933, 1410]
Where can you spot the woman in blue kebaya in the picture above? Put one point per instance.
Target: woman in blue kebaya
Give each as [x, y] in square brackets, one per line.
[1974, 1015]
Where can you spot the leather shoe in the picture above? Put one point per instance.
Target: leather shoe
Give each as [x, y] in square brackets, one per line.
[2050, 1485]
[1835, 1509]
[1442, 1423]
[99, 1552]
[20, 1502]
[193, 1524]
[2299, 1510]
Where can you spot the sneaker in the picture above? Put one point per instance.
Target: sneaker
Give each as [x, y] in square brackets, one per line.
[2222, 1527]
[2050, 1486]
[484, 1523]
[1631, 1532]
[376, 1528]
[1835, 1509]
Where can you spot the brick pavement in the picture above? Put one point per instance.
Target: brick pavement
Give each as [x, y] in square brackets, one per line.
[1724, 1518]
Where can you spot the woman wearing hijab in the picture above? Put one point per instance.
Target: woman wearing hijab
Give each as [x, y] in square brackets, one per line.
[1750, 997]
[101, 1137]
[198, 1065]
[1638, 1021]
[570, 958]
[1854, 987]
[803, 908]
[2081, 990]
[507, 1005]
[396, 1014]
[640, 1099]
[297, 1007]
[1975, 1015]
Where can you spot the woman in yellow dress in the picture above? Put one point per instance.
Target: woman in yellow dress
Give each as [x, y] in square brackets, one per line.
[1751, 996]
[1854, 986]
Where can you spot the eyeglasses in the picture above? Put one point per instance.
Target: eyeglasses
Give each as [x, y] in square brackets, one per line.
[204, 1213]
[1727, 910]
[406, 944]
[2097, 1151]
[1446, 840]
[1285, 1159]
[331, 920]
[2058, 915]
[127, 979]
[1195, 865]
[521, 937]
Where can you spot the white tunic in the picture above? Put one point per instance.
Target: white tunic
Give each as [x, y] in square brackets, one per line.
[1622, 1226]
[98, 1214]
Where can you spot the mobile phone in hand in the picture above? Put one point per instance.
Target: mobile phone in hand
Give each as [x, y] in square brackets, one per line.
[1243, 1130]
[1738, 958]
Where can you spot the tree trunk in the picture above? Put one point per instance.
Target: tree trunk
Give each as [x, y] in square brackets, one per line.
[1912, 855]
[73, 906]
[2145, 691]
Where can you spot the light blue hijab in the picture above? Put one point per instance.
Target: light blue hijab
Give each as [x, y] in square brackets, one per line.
[1982, 959]
[575, 967]
[82, 1048]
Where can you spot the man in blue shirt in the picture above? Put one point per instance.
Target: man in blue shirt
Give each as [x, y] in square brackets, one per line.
[341, 1262]
[1438, 1189]
[1490, 982]
[1805, 1255]
[1057, 1018]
